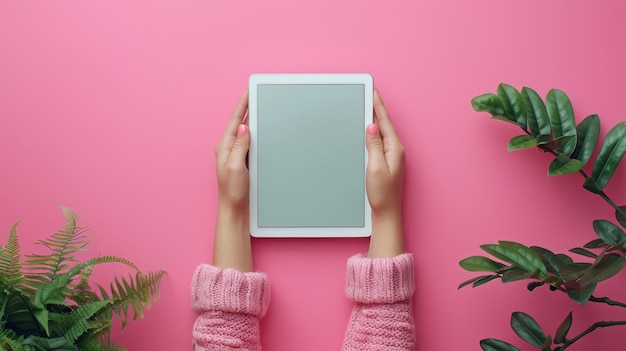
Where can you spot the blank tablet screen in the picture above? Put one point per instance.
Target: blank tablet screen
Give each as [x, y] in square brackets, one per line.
[310, 155]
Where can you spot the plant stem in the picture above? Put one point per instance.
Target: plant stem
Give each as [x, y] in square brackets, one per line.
[613, 204]
[604, 300]
[602, 194]
[593, 327]
[607, 301]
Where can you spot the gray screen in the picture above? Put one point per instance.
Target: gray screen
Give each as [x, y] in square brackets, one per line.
[311, 155]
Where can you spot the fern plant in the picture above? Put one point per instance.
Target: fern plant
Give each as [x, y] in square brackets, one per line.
[48, 302]
[551, 127]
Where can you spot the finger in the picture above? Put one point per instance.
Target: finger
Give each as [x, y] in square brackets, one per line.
[385, 125]
[393, 149]
[228, 138]
[375, 148]
[238, 115]
[241, 145]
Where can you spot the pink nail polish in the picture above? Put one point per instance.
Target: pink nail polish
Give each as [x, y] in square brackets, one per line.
[372, 129]
[243, 129]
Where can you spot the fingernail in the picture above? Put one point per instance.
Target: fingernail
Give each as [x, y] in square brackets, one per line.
[243, 129]
[372, 129]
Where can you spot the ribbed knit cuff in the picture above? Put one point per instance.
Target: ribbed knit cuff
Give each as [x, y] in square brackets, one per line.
[380, 280]
[229, 290]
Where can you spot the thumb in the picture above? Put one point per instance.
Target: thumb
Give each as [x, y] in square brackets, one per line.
[375, 150]
[240, 146]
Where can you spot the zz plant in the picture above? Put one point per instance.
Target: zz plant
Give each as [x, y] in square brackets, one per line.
[48, 302]
[551, 127]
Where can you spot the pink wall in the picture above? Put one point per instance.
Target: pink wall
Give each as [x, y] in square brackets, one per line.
[113, 108]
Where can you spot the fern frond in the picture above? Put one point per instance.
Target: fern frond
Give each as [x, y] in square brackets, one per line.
[76, 323]
[135, 294]
[10, 341]
[42, 343]
[63, 244]
[10, 265]
[49, 303]
[18, 313]
[100, 342]
[108, 259]
[82, 292]
[108, 345]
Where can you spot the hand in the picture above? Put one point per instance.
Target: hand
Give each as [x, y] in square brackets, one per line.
[232, 174]
[231, 245]
[384, 182]
[385, 169]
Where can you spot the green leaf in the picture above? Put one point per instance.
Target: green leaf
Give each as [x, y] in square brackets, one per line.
[621, 216]
[562, 120]
[608, 266]
[10, 259]
[76, 323]
[595, 244]
[587, 133]
[519, 255]
[41, 315]
[610, 155]
[64, 244]
[557, 143]
[134, 294]
[496, 345]
[553, 262]
[10, 339]
[484, 280]
[580, 293]
[609, 232]
[488, 103]
[592, 186]
[583, 252]
[536, 114]
[546, 344]
[480, 264]
[51, 293]
[573, 271]
[527, 329]
[515, 274]
[470, 281]
[513, 104]
[56, 344]
[561, 333]
[522, 142]
[564, 258]
[564, 165]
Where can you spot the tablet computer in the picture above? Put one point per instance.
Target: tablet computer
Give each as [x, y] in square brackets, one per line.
[307, 156]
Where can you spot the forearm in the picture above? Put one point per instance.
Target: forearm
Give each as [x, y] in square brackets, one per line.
[387, 235]
[232, 246]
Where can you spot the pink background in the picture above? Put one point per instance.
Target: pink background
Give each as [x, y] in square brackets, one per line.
[113, 108]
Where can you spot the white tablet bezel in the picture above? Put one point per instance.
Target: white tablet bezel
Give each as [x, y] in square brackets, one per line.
[310, 78]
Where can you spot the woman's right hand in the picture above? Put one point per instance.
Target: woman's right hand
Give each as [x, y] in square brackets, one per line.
[384, 183]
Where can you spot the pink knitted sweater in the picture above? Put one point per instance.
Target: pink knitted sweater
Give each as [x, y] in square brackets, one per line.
[230, 303]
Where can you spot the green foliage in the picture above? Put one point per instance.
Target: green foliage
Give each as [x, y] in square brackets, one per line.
[546, 123]
[527, 329]
[47, 301]
[551, 127]
[563, 329]
[496, 345]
